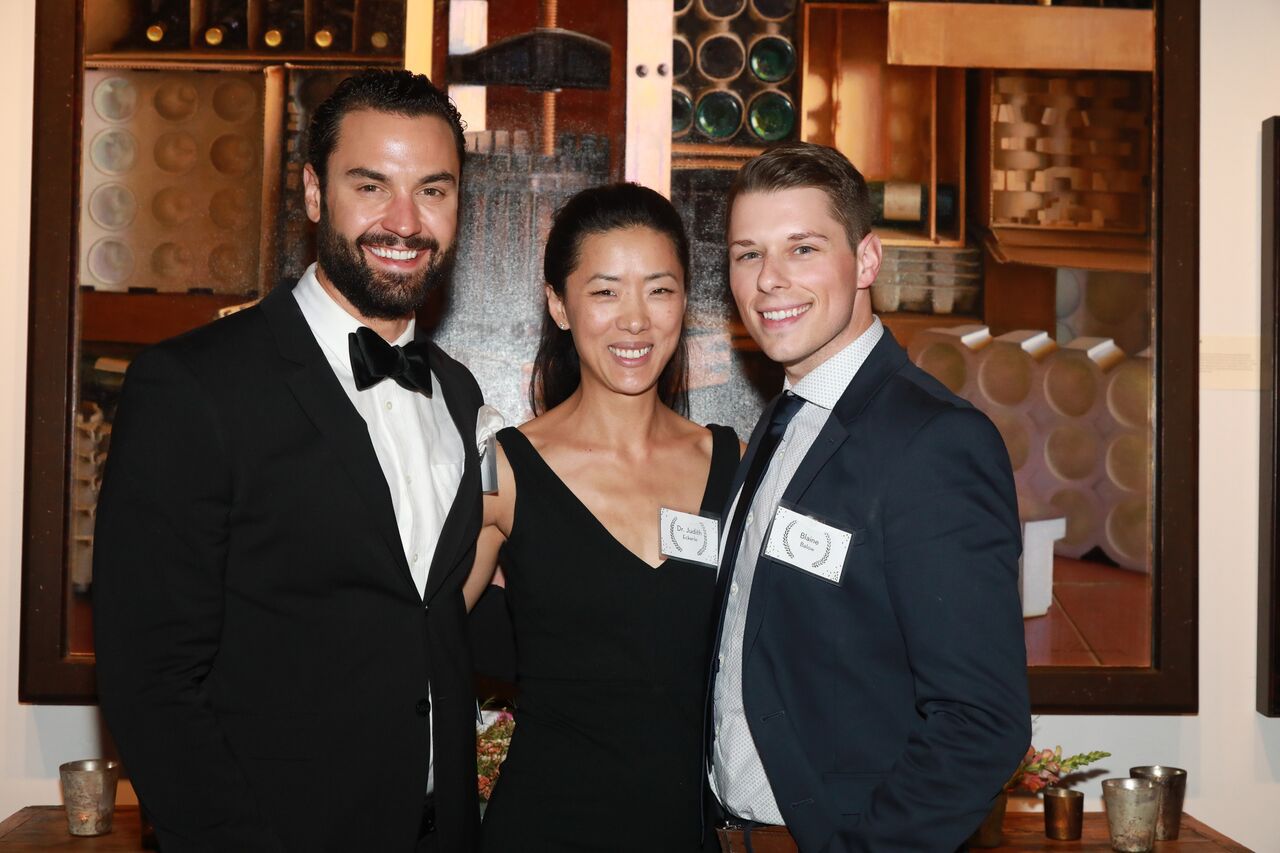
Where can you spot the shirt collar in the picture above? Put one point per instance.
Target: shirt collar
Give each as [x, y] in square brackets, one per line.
[825, 384]
[330, 322]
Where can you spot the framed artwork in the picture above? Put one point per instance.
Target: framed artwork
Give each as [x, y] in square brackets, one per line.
[1268, 530]
[109, 261]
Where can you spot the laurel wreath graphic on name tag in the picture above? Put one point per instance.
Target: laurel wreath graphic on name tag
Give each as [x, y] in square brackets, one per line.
[786, 545]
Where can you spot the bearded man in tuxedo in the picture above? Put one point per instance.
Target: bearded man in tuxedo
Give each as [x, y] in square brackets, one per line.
[289, 510]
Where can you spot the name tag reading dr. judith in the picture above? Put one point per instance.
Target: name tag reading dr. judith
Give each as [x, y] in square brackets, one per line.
[685, 536]
[808, 544]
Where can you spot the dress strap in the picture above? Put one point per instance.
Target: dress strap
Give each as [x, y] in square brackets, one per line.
[725, 455]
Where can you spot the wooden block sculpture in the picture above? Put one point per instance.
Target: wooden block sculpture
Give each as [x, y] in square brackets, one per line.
[1071, 151]
[89, 446]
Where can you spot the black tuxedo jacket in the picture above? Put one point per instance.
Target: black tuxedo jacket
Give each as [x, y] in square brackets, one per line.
[889, 709]
[263, 652]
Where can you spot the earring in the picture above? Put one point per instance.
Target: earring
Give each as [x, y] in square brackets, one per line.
[564, 326]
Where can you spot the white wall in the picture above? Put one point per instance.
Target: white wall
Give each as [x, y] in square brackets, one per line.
[33, 740]
[1233, 754]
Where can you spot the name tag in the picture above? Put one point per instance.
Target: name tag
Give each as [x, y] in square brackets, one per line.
[689, 537]
[807, 544]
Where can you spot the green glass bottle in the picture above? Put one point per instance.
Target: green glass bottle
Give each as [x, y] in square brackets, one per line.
[771, 116]
[773, 59]
[681, 112]
[907, 203]
[719, 114]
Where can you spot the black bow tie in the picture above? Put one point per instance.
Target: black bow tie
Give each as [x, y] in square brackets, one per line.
[373, 360]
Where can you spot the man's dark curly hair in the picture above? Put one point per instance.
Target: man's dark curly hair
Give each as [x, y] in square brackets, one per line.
[389, 91]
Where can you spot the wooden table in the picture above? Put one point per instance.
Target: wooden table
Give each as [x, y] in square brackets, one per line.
[45, 828]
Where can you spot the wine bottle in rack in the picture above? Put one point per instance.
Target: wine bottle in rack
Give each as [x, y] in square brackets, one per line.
[334, 20]
[166, 25]
[283, 25]
[383, 26]
[902, 202]
[227, 28]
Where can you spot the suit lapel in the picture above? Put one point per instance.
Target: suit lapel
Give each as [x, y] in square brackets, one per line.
[883, 361]
[462, 524]
[321, 396]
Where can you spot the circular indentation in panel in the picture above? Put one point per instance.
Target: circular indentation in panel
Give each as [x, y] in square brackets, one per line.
[1071, 452]
[1068, 290]
[115, 99]
[176, 152]
[235, 101]
[113, 206]
[1004, 376]
[1129, 392]
[379, 40]
[176, 100]
[945, 363]
[774, 10]
[113, 152]
[232, 209]
[1113, 297]
[1064, 333]
[721, 57]
[1017, 437]
[172, 261]
[681, 56]
[172, 206]
[1070, 386]
[719, 114]
[681, 6]
[111, 261]
[1129, 461]
[723, 9]
[229, 264]
[681, 112]
[232, 154]
[1129, 532]
[315, 88]
[771, 116]
[772, 59]
[1079, 511]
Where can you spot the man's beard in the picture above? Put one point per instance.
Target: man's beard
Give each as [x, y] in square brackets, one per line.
[378, 294]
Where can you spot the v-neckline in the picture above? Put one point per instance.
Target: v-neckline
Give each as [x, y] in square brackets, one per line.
[586, 510]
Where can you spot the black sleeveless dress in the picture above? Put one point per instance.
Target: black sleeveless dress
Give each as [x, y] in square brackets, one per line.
[611, 664]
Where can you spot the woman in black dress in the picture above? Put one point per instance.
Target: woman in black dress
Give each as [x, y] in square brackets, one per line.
[612, 640]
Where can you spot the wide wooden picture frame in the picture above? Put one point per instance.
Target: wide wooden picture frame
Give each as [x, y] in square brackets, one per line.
[49, 672]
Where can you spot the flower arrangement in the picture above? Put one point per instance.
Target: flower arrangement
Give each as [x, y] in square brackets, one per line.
[493, 738]
[1040, 769]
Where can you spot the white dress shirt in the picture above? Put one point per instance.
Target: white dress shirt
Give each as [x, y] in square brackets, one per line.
[737, 776]
[413, 435]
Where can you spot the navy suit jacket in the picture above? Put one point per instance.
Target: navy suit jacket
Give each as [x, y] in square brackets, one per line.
[889, 710]
[263, 652]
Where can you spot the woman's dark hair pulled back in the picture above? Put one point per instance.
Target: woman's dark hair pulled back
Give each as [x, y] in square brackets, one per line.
[599, 210]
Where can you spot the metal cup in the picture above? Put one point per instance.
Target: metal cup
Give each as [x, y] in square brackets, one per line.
[1132, 806]
[1172, 782]
[1063, 813]
[89, 793]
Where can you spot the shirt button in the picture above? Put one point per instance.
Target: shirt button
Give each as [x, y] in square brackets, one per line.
[722, 660]
[388, 404]
[751, 517]
[733, 588]
[408, 479]
[415, 556]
